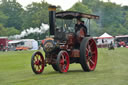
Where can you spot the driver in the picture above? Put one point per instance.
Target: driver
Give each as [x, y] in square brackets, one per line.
[82, 23]
[79, 25]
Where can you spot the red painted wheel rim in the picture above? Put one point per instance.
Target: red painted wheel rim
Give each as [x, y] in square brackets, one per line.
[38, 63]
[91, 54]
[64, 62]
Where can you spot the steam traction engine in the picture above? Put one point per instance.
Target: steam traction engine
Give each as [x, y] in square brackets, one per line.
[65, 48]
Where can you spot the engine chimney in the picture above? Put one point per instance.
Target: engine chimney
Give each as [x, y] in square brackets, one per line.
[52, 12]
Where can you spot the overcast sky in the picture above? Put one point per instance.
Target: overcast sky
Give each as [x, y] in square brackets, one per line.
[65, 4]
[122, 2]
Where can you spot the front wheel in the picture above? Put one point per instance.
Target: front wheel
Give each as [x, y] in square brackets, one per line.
[62, 62]
[37, 63]
[88, 54]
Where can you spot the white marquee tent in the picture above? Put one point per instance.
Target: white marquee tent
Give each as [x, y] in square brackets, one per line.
[105, 39]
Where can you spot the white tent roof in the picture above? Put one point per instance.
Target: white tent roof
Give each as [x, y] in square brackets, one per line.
[14, 41]
[22, 40]
[105, 35]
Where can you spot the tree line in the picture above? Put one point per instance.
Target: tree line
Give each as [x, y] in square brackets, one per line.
[14, 18]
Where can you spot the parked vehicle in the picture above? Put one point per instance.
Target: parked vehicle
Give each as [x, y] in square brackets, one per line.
[23, 44]
[3, 43]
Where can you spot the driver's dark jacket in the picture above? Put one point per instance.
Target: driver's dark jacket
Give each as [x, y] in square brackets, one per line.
[79, 26]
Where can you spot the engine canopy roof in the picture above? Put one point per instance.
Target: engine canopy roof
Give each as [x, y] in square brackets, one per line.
[73, 14]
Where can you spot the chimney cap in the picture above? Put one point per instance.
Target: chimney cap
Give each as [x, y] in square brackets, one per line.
[52, 8]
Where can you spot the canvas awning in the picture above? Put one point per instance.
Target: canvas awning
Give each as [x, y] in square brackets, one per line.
[120, 36]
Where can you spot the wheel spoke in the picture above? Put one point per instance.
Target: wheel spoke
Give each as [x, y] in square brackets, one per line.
[62, 57]
[35, 62]
[61, 62]
[38, 67]
[91, 44]
[37, 57]
[92, 61]
[89, 58]
[88, 46]
[87, 49]
[62, 67]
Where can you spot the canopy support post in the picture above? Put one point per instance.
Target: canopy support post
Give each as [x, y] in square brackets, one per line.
[89, 28]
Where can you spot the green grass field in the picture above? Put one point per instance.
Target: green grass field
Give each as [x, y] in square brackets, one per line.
[112, 69]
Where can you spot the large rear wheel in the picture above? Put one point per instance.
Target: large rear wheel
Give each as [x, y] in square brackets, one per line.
[88, 54]
[37, 63]
[63, 62]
